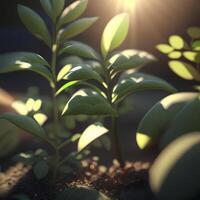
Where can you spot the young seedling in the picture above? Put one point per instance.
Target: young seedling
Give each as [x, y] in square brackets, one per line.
[64, 25]
[114, 76]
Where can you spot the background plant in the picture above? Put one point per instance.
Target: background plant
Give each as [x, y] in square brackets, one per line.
[184, 56]
[64, 25]
[110, 77]
[176, 112]
[177, 130]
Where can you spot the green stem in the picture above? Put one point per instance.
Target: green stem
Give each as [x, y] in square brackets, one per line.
[55, 105]
[115, 141]
[114, 133]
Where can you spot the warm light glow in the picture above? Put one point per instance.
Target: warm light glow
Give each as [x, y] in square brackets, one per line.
[126, 5]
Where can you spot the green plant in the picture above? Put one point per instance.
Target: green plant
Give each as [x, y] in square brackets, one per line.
[188, 67]
[177, 130]
[115, 74]
[64, 26]
[176, 112]
[175, 172]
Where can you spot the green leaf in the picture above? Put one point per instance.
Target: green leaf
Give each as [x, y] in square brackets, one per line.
[34, 23]
[82, 73]
[115, 33]
[194, 32]
[150, 128]
[187, 120]
[192, 56]
[83, 193]
[175, 55]
[17, 61]
[79, 49]
[64, 70]
[96, 66]
[71, 60]
[67, 86]
[70, 84]
[184, 70]
[76, 28]
[25, 123]
[90, 134]
[165, 48]
[129, 59]
[175, 173]
[196, 45]
[57, 8]
[136, 82]
[177, 42]
[41, 169]
[46, 5]
[88, 102]
[73, 11]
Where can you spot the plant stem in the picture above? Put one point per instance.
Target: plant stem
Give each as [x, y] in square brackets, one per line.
[55, 105]
[114, 132]
[115, 141]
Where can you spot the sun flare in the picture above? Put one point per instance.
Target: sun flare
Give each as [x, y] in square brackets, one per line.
[126, 5]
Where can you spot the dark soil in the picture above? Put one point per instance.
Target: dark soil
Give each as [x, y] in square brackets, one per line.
[127, 183]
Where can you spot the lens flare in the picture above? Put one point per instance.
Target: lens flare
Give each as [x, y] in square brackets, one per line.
[126, 5]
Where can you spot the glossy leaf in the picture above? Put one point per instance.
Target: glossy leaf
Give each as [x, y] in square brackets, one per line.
[71, 60]
[79, 49]
[175, 55]
[177, 42]
[34, 23]
[88, 102]
[57, 8]
[175, 173]
[196, 45]
[90, 134]
[135, 82]
[73, 11]
[46, 5]
[64, 70]
[114, 33]
[187, 120]
[70, 84]
[192, 56]
[165, 48]
[83, 193]
[150, 128]
[17, 61]
[96, 66]
[194, 32]
[130, 58]
[67, 86]
[82, 73]
[41, 169]
[25, 123]
[76, 28]
[184, 70]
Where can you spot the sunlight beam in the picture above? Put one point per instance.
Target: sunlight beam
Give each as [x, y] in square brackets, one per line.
[126, 5]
